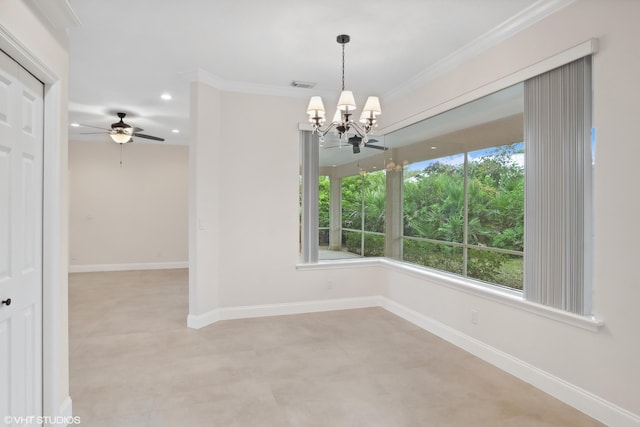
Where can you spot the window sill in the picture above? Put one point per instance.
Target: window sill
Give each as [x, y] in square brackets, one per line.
[333, 264]
[500, 295]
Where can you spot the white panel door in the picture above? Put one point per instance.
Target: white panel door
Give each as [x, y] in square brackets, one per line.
[21, 150]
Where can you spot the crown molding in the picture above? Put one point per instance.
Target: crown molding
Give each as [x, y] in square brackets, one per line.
[529, 16]
[219, 83]
[57, 13]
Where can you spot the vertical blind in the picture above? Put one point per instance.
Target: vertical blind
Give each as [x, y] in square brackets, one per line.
[557, 129]
[310, 153]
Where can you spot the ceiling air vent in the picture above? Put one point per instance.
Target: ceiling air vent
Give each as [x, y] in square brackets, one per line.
[304, 85]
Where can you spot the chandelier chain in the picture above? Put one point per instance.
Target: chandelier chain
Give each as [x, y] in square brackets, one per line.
[343, 66]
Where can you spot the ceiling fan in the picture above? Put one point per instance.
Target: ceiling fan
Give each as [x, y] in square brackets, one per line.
[356, 142]
[122, 132]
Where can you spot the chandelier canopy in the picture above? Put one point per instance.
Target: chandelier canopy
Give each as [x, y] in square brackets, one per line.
[342, 120]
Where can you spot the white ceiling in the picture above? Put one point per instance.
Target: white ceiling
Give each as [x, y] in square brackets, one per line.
[126, 53]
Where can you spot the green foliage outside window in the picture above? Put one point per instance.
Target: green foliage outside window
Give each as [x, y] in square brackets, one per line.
[372, 187]
[436, 255]
[434, 208]
[375, 199]
[323, 201]
[373, 243]
[352, 202]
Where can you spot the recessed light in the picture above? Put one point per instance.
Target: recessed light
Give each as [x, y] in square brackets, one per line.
[166, 96]
[175, 130]
[75, 125]
[433, 148]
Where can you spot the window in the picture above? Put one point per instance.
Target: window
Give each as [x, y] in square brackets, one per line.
[355, 205]
[496, 190]
[363, 213]
[465, 214]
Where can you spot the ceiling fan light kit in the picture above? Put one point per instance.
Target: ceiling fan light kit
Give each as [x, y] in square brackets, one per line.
[342, 120]
[123, 133]
[120, 138]
[120, 131]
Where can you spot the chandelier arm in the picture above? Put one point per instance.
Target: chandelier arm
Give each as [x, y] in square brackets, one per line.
[362, 132]
[322, 132]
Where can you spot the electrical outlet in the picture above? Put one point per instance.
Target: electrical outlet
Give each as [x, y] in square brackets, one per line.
[474, 317]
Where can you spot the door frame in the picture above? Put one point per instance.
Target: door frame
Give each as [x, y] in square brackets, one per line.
[55, 341]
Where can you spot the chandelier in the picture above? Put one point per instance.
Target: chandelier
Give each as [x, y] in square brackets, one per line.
[342, 120]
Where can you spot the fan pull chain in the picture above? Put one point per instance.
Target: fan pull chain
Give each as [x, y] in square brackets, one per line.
[121, 146]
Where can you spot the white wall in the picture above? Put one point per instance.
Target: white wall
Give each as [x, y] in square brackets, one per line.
[245, 203]
[602, 363]
[204, 188]
[44, 52]
[256, 235]
[128, 216]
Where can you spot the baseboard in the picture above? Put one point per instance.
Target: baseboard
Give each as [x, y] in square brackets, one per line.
[244, 312]
[65, 417]
[197, 321]
[128, 267]
[66, 408]
[298, 307]
[592, 405]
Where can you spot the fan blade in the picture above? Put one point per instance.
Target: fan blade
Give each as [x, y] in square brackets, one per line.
[141, 135]
[377, 147]
[93, 133]
[96, 127]
[356, 139]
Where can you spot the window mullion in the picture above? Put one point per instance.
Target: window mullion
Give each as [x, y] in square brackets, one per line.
[465, 229]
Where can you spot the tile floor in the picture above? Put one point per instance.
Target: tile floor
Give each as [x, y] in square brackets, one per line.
[135, 363]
